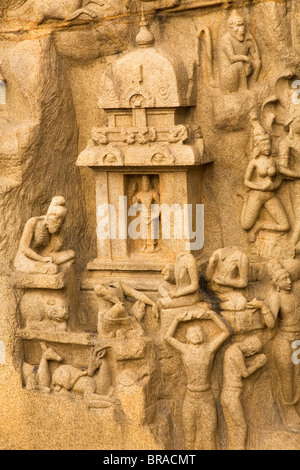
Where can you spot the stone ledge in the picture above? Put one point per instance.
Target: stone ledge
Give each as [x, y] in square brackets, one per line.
[84, 339]
[40, 281]
[126, 265]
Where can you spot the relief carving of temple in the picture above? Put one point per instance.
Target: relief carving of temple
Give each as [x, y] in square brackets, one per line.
[150, 225]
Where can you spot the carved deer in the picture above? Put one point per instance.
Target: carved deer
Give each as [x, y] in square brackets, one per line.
[68, 379]
[39, 377]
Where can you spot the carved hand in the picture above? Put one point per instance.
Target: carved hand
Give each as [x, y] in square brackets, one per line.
[256, 303]
[267, 185]
[166, 273]
[173, 294]
[260, 360]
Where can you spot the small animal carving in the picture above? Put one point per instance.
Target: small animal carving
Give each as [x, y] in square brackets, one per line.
[62, 9]
[68, 379]
[41, 312]
[39, 377]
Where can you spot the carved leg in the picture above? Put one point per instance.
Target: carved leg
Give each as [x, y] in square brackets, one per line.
[278, 213]
[208, 421]
[235, 420]
[189, 421]
[82, 11]
[63, 257]
[230, 79]
[251, 211]
[29, 376]
[285, 368]
[243, 75]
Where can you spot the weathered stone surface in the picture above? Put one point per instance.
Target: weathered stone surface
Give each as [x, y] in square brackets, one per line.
[131, 317]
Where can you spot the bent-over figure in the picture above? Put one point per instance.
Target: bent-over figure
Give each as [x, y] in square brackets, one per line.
[235, 370]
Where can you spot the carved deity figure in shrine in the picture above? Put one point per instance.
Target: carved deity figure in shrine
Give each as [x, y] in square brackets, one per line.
[239, 56]
[199, 414]
[148, 197]
[40, 246]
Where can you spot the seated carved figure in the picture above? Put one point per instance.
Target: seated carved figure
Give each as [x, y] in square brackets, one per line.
[184, 274]
[239, 56]
[228, 270]
[39, 249]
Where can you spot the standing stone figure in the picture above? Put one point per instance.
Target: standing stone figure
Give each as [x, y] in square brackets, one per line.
[235, 370]
[39, 249]
[199, 414]
[239, 56]
[284, 301]
[148, 197]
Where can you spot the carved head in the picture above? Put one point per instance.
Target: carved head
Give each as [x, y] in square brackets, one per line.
[261, 141]
[95, 363]
[195, 335]
[280, 276]
[251, 346]
[50, 354]
[57, 309]
[56, 214]
[237, 26]
[146, 184]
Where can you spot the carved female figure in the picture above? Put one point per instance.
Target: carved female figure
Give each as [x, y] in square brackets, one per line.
[263, 178]
[39, 249]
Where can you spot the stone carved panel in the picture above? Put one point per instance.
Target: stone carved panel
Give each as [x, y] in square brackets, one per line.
[168, 102]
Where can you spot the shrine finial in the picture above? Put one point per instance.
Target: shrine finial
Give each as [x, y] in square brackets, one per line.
[144, 38]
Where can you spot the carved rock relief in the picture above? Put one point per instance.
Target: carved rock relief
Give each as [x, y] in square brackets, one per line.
[190, 348]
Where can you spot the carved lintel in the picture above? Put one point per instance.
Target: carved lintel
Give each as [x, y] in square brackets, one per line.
[141, 136]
